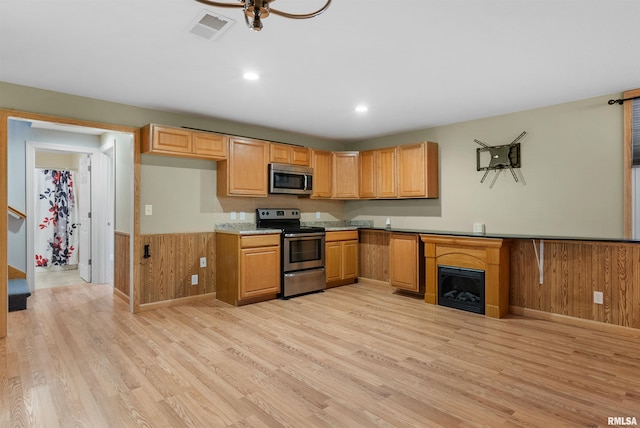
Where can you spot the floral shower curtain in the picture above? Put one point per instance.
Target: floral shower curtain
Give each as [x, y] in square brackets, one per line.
[56, 239]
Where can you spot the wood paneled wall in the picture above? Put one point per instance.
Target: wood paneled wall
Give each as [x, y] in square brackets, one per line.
[121, 278]
[174, 258]
[572, 272]
[374, 254]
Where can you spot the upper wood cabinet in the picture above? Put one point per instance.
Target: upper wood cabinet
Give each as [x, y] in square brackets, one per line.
[378, 173]
[292, 155]
[166, 140]
[322, 165]
[368, 172]
[209, 145]
[345, 175]
[418, 170]
[245, 171]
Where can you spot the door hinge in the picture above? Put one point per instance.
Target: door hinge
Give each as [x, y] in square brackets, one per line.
[89, 215]
[89, 262]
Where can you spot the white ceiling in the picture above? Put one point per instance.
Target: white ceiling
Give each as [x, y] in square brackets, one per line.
[415, 63]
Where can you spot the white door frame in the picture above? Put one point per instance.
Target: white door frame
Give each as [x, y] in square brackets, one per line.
[98, 205]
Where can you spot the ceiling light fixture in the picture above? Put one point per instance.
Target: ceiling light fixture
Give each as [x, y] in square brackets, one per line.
[256, 10]
[249, 75]
[362, 109]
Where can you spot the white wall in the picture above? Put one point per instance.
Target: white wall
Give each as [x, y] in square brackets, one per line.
[123, 159]
[182, 193]
[571, 168]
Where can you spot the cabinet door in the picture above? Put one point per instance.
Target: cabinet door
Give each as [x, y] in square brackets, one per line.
[368, 172]
[345, 175]
[349, 259]
[259, 272]
[333, 261]
[279, 153]
[418, 170]
[300, 156]
[386, 173]
[170, 140]
[322, 173]
[247, 167]
[403, 261]
[206, 145]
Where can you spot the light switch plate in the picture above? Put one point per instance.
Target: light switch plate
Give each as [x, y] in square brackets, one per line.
[194, 279]
[203, 262]
[148, 210]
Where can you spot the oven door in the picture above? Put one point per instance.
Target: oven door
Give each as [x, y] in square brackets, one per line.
[303, 251]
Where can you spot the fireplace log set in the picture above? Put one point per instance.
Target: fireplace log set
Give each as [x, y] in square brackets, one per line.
[462, 296]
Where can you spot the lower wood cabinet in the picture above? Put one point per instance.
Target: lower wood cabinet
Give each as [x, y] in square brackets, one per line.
[406, 262]
[341, 257]
[247, 267]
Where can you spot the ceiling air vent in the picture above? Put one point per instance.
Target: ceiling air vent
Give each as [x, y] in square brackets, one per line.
[209, 25]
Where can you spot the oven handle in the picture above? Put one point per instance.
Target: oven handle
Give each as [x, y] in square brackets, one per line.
[304, 235]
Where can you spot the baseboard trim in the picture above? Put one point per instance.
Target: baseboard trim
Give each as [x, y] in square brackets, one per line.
[373, 282]
[121, 295]
[175, 302]
[565, 319]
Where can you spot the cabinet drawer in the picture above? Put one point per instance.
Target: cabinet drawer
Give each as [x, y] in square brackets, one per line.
[343, 235]
[259, 241]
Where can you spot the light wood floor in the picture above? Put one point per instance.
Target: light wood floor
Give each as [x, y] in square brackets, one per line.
[354, 356]
[61, 278]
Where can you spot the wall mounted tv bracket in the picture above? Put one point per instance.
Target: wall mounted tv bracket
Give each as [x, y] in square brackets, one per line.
[500, 157]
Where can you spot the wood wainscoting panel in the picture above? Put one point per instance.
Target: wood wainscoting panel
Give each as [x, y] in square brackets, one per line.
[166, 275]
[122, 263]
[572, 272]
[374, 254]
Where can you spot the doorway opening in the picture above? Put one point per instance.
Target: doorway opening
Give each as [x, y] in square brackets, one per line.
[62, 216]
[75, 169]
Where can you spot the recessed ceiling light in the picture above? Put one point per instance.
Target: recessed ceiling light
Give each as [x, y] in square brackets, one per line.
[250, 75]
[362, 109]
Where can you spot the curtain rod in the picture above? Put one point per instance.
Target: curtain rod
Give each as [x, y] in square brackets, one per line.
[621, 100]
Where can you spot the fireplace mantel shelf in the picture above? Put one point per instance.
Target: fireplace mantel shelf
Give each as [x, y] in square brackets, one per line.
[488, 254]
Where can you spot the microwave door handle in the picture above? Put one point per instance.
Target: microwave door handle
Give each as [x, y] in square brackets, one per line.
[306, 177]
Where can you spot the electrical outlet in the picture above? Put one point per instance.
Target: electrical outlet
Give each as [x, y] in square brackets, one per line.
[598, 297]
[203, 262]
[194, 279]
[318, 214]
[148, 210]
[242, 215]
[233, 215]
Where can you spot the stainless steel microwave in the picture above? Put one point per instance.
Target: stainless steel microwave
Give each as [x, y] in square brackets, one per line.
[290, 179]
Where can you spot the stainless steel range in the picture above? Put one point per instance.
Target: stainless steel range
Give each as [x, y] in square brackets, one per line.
[302, 249]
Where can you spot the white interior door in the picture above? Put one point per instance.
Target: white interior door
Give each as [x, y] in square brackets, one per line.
[84, 211]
